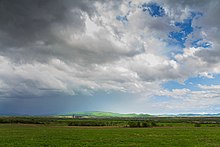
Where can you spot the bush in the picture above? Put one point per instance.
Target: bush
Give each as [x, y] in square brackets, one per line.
[141, 124]
[145, 124]
[153, 124]
[197, 125]
[86, 123]
[134, 124]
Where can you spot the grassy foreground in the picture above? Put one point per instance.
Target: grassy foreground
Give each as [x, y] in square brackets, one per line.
[41, 135]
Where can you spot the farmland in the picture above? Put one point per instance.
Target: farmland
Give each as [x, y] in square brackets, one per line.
[53, 131]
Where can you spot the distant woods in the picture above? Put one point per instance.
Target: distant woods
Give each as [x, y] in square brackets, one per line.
[117, 122]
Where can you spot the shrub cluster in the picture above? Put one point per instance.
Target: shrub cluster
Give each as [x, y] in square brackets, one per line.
[197, 125]
[141, 124]
[87, 123]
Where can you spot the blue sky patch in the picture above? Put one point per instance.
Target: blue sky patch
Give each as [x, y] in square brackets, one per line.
[204, 80]
[153, 9]
[185, 29]
[179, 37]
[170, 85]
[192, 83]
[200, 43]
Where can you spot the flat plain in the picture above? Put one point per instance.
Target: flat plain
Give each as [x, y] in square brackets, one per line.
[167, 134]
[38, 135]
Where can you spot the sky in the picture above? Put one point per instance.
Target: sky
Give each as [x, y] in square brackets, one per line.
[130, 56]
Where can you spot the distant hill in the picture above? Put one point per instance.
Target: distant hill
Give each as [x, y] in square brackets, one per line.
[98, 114]
[104, 114]
[199, 115]
[189, 115]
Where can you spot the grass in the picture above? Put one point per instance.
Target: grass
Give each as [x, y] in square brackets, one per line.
[42, 135]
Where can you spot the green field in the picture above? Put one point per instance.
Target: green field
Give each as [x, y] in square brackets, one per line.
[114, 131]
[41, 135]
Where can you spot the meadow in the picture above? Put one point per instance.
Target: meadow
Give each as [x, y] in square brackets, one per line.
[44, 131]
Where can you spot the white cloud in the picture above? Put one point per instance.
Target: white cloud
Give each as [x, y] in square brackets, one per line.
[206, 75]
[215, 88]
[188, 101]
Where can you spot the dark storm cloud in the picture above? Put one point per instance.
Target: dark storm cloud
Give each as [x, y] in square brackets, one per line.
[25, 26]
[210, 56]
[24, 21]
[43, 29]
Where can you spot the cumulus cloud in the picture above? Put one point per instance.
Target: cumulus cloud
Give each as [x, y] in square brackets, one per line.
[211, 87]
[189, 101]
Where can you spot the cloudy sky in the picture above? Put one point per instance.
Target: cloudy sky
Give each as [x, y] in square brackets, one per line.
[143, 56]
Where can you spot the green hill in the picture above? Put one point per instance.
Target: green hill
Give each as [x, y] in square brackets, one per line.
[104, 114]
